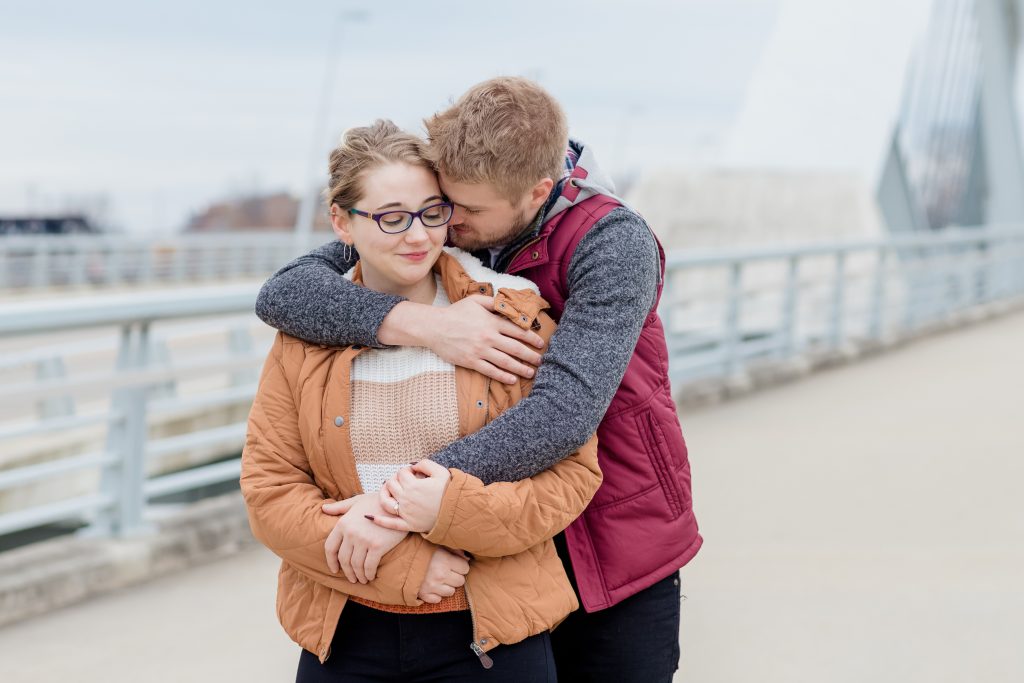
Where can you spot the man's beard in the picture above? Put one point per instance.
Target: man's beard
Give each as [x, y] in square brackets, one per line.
[473, 242]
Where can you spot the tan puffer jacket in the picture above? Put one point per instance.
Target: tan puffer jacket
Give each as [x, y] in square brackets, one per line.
[298, 455]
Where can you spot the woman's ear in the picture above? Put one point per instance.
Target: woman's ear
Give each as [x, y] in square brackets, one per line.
[341, 222]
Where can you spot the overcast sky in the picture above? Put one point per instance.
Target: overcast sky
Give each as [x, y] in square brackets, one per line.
[165, 106]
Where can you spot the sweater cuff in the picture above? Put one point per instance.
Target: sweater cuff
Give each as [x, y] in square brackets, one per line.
[376, 314]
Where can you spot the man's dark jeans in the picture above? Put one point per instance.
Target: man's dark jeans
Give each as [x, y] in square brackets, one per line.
[635, 641]
[370, 646]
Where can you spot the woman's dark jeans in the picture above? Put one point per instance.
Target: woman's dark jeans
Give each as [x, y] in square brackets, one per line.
[370, 646]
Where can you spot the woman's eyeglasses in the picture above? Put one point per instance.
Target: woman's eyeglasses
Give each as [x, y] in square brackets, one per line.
[394, 222]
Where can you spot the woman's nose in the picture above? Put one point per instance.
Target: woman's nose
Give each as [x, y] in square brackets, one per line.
[417, 232]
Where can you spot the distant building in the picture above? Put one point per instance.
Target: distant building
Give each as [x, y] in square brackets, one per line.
[267, 212]
[68, 224]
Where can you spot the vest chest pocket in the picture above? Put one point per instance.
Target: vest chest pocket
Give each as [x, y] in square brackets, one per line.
[658, 451]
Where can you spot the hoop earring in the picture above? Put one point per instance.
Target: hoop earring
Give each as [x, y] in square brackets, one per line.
[348, 252]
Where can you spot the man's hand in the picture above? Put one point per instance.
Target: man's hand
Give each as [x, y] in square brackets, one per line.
[467, 334]
[356, 545]
[445, 573]
[413, 497]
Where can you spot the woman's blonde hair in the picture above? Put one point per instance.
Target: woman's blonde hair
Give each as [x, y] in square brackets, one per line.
[363, 149]
[505, 131]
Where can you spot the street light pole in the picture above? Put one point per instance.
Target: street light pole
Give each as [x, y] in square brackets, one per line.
[310, 197]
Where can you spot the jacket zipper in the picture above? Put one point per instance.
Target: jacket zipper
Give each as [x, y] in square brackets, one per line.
[485, 659]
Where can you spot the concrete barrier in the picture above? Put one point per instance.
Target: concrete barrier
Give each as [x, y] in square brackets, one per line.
[48, 575]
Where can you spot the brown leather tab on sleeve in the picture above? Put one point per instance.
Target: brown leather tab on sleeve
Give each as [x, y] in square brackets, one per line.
[521, 306]
[485, 288]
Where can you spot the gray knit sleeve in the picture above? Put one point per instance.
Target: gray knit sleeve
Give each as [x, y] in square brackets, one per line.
[613, 280]
[309, 299]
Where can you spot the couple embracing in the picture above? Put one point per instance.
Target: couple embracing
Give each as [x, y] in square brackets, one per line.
[464, 446]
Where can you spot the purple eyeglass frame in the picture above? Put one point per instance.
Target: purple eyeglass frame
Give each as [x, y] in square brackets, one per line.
[413, 216]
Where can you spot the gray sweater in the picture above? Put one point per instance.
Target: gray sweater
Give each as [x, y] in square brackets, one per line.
[612, 283]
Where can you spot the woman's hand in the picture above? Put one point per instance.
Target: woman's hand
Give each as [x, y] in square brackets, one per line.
[356, 545]
[445, 573]
[412, 498]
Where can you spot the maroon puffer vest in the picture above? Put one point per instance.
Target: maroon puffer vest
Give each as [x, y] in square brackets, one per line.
[640, 527]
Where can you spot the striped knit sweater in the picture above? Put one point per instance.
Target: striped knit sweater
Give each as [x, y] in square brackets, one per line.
[405, 408]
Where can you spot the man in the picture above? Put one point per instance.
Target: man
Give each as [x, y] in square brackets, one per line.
[530, 201]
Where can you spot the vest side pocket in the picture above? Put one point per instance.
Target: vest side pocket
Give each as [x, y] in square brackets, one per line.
[657, 450]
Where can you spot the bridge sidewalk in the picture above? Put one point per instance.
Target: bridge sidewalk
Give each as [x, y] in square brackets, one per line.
[863, 524]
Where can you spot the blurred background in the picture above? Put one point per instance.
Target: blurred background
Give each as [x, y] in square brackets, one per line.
[151, 118]
[838, 185]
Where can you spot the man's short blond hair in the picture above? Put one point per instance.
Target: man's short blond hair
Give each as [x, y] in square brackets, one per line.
[505, 131]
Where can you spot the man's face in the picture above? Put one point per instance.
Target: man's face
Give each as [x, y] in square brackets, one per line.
[484, 218]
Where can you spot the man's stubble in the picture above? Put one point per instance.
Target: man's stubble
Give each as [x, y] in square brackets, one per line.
[473, 242]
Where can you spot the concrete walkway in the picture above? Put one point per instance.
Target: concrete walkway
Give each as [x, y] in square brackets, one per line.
[866, 524]
[862, 525]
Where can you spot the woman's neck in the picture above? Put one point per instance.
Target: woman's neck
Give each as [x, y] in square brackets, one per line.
[422, 292]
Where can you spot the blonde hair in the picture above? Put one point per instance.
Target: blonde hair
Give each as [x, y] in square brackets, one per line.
[363, 149]
[505, 131]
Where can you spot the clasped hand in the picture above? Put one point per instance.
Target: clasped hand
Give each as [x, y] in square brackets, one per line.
[371, 524]
[356, 545]
[412, 498]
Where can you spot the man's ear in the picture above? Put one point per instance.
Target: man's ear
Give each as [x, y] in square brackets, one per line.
[341, 222]
[540, 192]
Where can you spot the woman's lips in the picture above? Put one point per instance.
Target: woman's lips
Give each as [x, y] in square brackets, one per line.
[415, 256]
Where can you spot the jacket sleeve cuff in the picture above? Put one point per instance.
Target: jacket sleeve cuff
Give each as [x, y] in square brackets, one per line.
[417, 573]
[449, 503]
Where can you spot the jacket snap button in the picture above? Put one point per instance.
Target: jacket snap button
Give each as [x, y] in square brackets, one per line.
[501, 305]
[479, 404]
[483, 641]
[523, 318]
[338, 421]
[535, 255]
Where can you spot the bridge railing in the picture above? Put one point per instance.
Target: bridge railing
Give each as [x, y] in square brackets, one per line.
[146, 394]
[107, 260]
[724, 309]
[148, 400]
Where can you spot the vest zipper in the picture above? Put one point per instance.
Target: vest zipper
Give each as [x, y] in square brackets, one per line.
[522, 250]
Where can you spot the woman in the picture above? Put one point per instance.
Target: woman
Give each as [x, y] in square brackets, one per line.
[481, 585]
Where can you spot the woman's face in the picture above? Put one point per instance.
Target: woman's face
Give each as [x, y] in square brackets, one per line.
[393, 263]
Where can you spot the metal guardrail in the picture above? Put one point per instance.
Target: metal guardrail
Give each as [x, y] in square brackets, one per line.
[108, 260]
[722, 309]
[130, 402]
